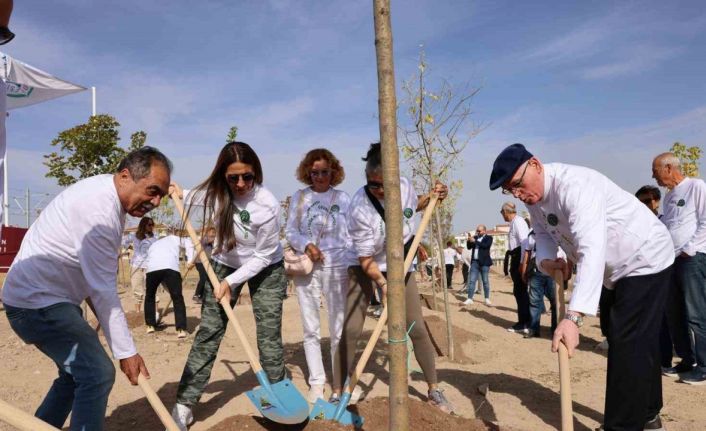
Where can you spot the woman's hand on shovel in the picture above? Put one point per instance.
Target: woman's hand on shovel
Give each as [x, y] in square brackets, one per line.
[133, 367]
[175, 189]
[222, 291]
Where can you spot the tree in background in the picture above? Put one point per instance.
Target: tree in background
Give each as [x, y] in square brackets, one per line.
[438, 131]
[89, 149]
[689, 157]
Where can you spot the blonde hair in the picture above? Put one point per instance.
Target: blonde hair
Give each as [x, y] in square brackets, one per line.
[509, 207]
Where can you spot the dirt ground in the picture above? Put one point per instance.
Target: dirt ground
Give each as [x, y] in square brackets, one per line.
[520, 375]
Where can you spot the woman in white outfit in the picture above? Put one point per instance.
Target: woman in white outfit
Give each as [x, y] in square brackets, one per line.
[144, 237]
[317, 226]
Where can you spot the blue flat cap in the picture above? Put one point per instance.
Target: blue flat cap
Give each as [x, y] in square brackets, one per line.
[507, 163]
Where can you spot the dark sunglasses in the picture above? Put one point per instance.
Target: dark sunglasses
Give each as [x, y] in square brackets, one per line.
[324, 173]
[235, 178]
[374, 185]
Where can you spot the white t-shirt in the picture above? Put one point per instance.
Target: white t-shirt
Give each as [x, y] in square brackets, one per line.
[685, 216]
[311, 212]
[518, 232]
[256, 228]
[70, 253]
[367, 228]
[164, 253]
[450, 256]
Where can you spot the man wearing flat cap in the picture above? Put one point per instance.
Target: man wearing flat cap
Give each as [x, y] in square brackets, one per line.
[617, 242]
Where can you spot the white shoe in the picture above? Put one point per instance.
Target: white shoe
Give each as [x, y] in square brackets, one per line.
[182, 416]
[315, 392]
[468, 301]
[488, 303]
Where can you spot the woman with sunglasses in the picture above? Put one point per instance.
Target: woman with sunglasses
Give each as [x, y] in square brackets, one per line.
[366, 226]
[144, 237]
[246, 249]
[317, 226]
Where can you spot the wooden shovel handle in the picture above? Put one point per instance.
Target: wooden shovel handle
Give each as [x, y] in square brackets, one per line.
[567, 414]
[254, 362]
[157, 404]
[382, 321]
[22, 420]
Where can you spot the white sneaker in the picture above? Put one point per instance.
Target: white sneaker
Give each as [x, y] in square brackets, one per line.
[315, 392]
[488, 303]
[468, 301]
[182, 416]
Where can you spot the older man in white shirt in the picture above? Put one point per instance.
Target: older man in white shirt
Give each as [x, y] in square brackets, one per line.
[684, 210]
[70, 254]
[518, 233]
[617, 242]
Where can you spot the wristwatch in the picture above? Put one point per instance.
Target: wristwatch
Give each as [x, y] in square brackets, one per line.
[576, 318]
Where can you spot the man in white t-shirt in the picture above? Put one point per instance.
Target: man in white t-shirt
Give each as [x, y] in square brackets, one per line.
[70, 254]
[684, 208]
[449, 263]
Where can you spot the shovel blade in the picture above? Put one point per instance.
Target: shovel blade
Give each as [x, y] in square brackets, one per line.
[324, 410]
[280, 402]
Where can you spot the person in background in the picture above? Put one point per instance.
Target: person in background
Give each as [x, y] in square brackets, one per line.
[479, 246]
[685, 217]
[144, 238]
[163, 267]
[518, 232]
[207, 240]
[650, 196]
[317, 225]
[449, 263]
[465, 256]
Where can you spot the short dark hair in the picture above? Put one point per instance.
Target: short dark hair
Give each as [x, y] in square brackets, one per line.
[373, 158]
[651, 190]
[139, 162]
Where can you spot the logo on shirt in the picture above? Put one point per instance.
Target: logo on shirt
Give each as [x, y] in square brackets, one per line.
[335, 208]
[681, 203]
[552, 219]
[245, 216]
[408, 212]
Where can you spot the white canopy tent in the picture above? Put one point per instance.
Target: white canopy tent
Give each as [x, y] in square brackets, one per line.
[25, 85]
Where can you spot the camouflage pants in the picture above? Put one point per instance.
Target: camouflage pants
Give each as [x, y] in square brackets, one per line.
[267, 290]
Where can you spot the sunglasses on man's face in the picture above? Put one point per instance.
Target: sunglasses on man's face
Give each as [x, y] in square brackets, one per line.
[374, 185]
[235, 178]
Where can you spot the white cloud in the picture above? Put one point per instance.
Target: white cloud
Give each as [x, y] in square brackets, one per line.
[635, 60]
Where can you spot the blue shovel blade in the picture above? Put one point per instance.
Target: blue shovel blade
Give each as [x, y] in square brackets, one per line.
[324, 410]
[280, 402]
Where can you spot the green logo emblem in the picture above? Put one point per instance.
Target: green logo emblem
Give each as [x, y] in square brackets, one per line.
[681, 203]
[18, 90]
[408, 212]
[335, 208]
[552, 219]
[245, 216]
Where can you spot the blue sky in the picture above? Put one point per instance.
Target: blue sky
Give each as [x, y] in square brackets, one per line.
[600, 84]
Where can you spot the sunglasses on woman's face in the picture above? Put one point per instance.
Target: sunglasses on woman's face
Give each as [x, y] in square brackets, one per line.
[235, 178]
[324, 173]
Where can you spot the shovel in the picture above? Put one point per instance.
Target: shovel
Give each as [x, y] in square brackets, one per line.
[325, 410]
[280, 402]
[157, 404]
[567, 414]
[22, 420]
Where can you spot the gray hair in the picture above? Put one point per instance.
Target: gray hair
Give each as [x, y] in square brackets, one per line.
[509, 207]
[670, 159]
[139, 162]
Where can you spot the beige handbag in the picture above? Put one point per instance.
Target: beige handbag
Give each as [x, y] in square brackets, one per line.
[299, 263]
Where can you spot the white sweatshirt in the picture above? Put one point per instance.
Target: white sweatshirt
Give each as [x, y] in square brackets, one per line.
[367, 228]
[140, 248]
[164, 253]
[311, 212]
[256, 228]
[70, 253]
[685, 216]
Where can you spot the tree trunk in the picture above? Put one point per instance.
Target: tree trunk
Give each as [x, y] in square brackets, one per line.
[432, 257]
[444, 288]
[397, 326]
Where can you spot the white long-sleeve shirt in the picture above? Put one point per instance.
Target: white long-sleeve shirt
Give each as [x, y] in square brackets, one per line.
[70, 253]
[450, 256]
[367, 228]
[604, 229]
[140, 248]
[518, 232]
[685, 216]
[164, 253]
[311, 212]
[256, 229]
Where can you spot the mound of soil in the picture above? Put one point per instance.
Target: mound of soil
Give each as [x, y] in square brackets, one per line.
[422, 417]
[437, 330]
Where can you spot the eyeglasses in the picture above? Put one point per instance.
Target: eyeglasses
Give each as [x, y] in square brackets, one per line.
[324, 173]
[235, 178]
[517, 184]
[374, 185]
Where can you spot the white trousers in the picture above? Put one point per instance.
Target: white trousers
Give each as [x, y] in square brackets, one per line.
[333, 282]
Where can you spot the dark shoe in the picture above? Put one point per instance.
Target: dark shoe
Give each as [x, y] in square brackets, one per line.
[696, 378]
[334, 399]
[531, 334]
[654, 425]
[674, 371]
